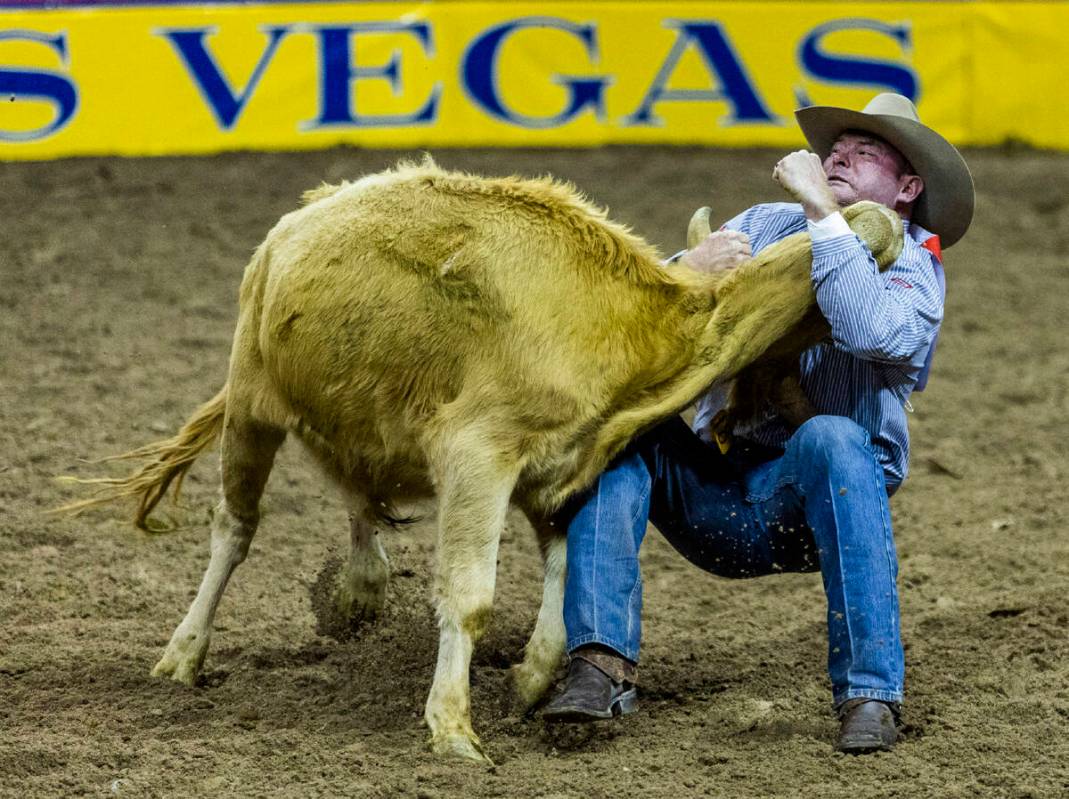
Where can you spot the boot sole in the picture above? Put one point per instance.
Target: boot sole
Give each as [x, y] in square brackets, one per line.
[865, 746]
[625, 703]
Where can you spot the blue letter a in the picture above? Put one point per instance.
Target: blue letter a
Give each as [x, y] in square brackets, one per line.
[225, 104]
[735, 87]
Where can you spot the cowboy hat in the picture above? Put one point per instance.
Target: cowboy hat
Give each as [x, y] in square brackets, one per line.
[946, 204]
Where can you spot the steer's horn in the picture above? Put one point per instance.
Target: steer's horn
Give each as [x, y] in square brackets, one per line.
[698, 229]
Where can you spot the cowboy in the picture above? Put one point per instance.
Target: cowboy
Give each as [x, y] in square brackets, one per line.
[785, 499]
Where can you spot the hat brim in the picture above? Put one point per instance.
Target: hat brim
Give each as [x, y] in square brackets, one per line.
[946, 205]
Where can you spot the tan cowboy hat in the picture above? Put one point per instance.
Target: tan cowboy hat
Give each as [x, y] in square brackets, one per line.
[946, 204]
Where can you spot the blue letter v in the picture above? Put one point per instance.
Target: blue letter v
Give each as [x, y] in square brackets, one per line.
[225, 104]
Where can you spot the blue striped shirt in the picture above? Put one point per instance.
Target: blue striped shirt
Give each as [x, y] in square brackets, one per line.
[882, 325]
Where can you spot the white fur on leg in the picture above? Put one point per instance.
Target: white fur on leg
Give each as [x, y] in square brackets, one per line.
[448, 712]
[542, 654]
[188, 647]
[474, 477]
[473, 500]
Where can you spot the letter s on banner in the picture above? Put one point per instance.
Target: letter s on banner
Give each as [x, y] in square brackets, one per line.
[39, 84]
[479, 74]
[853, 69]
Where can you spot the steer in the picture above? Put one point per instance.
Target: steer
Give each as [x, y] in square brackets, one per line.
[483, 340]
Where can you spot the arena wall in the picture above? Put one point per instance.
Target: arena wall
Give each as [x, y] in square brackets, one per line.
[135, 79]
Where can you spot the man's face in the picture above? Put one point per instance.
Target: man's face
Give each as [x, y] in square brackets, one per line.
[864, 167]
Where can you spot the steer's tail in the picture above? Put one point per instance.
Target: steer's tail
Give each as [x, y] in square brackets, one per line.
[169, 460]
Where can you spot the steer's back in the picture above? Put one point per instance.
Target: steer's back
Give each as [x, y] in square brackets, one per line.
[389, 302]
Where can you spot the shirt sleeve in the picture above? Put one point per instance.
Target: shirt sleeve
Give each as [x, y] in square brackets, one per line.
[767, 223]
[709, 404]
[888, 316]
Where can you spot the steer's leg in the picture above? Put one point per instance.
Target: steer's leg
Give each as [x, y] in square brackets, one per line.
[543, 652]
[248, 451]
[360, 592]
[474, 480]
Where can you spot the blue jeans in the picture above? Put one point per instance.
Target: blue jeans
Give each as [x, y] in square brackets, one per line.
[820, 503]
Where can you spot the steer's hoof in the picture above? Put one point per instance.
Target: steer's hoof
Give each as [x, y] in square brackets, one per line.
[183, 656]
[182, 671]
[460, 745]
[358, 605]
[343, 605]
[529, 684]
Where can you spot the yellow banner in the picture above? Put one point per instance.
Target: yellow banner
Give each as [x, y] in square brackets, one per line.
[195, 79]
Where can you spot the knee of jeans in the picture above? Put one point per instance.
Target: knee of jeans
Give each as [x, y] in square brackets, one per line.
[823, 439]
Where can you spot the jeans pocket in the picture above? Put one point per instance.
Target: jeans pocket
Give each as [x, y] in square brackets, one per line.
[643, 506]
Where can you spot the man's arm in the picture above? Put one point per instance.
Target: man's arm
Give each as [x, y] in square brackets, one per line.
[872, 315]
[881, 317]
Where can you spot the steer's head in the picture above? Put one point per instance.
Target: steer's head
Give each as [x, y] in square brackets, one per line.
[876, 225]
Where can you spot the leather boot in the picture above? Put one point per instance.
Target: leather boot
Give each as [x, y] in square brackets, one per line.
[867, 725]
[600, 685]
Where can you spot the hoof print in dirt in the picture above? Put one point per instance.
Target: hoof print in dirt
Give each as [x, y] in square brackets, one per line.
[569, 737]
[340, 610]
[211, 679]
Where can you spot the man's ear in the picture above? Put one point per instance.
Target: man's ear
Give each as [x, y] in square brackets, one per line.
[910, 189]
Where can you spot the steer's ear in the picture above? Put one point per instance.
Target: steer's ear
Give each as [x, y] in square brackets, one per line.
[698, 229]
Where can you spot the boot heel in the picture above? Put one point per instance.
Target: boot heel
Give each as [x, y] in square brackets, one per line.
[626, 703]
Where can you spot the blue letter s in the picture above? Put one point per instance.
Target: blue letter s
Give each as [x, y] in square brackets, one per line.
[854, 70]
[39, 84]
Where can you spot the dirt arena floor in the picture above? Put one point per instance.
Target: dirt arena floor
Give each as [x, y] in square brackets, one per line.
[117, 300]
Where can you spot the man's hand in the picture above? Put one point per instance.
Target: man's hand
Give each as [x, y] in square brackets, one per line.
[722, 250]
[801, 173]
